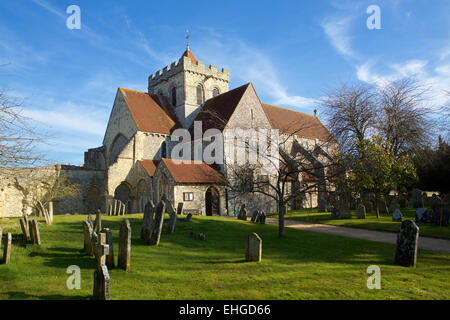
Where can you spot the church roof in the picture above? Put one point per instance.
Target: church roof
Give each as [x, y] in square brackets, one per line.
[149, 166]
[218, 110]
[294, 122]
[151, 113]
[188, 53]
[192, 172]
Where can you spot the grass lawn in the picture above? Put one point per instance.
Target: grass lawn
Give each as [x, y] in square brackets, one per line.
[304, 265]
[384, 223]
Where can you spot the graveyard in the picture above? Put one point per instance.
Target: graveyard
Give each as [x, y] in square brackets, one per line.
[185, 265]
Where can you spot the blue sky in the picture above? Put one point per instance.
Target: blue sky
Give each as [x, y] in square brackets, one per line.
[292, 51]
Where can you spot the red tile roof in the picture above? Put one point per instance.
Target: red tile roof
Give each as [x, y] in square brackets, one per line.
[294, 122]
[149, 166]
[188, 53]
[192, 172]
[218, 110]
[150, 112]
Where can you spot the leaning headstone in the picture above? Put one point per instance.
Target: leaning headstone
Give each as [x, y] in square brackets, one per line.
[397, 216]
[172, 222]
[146, 230]
[87, 229]
[124, 245]
[98, 222]
[36, 235]
[416, 198]
[101, 275]
[24, 227]
[90, 221]
[361, 212]
[420, 212]
[254, 216]
[7, 248]
[180, 208]
[109, 242]
[157, 224]
[242, 213]
[169, 207]
[253, 248]
[407, 241]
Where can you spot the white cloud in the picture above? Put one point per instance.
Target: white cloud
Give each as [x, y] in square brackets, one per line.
[337, 31]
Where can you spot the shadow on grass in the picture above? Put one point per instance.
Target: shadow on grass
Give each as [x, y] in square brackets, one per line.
[17, 295]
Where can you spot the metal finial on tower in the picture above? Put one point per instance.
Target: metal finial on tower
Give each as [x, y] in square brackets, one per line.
[187, 39]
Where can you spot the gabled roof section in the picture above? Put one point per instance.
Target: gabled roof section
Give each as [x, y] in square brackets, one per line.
[298, 123]
[149, 166]
[192, 172]
[218, 110]
[149, 112]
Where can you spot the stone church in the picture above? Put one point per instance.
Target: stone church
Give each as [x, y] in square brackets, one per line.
[134, 163]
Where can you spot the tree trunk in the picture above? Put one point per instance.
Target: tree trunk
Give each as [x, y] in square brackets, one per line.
[378, 209]
[281, 212]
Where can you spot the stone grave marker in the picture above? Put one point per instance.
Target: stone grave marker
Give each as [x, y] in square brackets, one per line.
[261, 218]
[109, 241]
[180, 208]
[407, 241]
[420, 213]
[253, 247]
[344, 210]
[24, 227]
[157, 224]
[87, 230]
[101, 274]
[146, 230]
[242, 213]
[255, 215]
[172, 222]
[397, 215]
[90, 221]
[7, 248]
[124, 245]
[36, 235]
[189, 217]
[361, 212]
[98, 222]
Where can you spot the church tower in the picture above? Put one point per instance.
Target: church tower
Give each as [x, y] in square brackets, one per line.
[188, 84]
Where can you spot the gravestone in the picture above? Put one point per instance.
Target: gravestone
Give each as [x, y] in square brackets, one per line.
[124, 245]
[147, 221]
[344, 210]
[189, 217]
[261, 217]
[157, 224]
[172, 222]
[94, 242]
[397, 215]
[87, 230]
[90, 221]
[98, 222]
[101, 275]
[7, 248]
[361, 212]
[407, 241]
[180, 208]
[255, 215]
[334, 213]
[30, 230]
[169, 206]
[109, 241]
[416, 198]
[420, 212]
[253, 247]
[24, 227]
[242, 213]
[35, 231]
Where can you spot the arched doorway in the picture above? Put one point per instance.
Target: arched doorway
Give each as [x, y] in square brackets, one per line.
[212, 202]
[122, 193]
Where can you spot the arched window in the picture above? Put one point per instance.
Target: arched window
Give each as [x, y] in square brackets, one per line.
[174, 96]
[215, 92]
[163, 150]
[199, 94]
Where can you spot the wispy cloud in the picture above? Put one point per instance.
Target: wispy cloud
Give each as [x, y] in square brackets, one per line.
[45, 5]
[337, 31]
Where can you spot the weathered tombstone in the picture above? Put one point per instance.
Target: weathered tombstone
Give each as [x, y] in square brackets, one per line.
[169, 206]
[87, 229]
[157, 224]
[124, 245]
[254, 216]
[36, 235]
[344, 210]
[361, 212]
[242, 213]
[172, 222]
[420, 212]
[253, 247]
[30, 230]
[94, 242]
[407, 241]
[189, 217]
[146, 229]
[24, 227]
[262, 217]
[180, 208]
[7, 248]
[101, 283]
[98, 222]
[101, 275]
[90, 221]
[416, 199]
[397, 215]
[109, 242]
